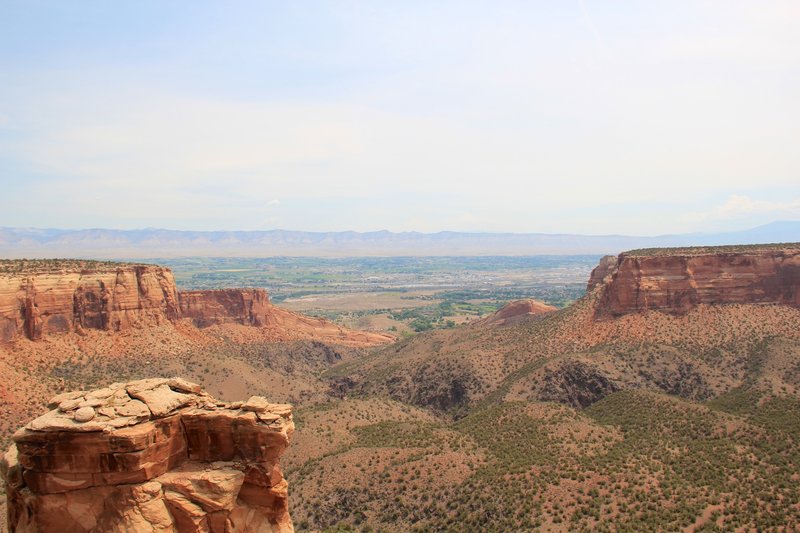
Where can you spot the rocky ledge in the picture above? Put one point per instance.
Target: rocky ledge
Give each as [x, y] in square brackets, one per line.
[150, 455]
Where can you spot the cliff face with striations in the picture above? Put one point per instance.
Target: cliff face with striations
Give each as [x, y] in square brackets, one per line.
[225, 306]
[37, 304]
[251, 307]
[150, 455]
[117, 297]
[607, 266]
[675, 281]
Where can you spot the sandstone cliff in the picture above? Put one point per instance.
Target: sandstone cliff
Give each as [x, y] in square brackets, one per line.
[73, 296]
[150, 455]
[225, 306]
[251, 307]
[675, 281]
[40, 303]
[607, 266]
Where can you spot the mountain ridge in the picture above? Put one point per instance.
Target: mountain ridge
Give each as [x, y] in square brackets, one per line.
[99, 243]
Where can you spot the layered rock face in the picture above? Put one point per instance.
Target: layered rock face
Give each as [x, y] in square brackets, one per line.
[117, 298]
[677, 282]
[225, 306]
[606, 267]
[150, 455]
[251, 307]
[38, 304]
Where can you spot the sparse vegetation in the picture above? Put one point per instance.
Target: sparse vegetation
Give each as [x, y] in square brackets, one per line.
[38, 266]
[708, 250]
[648, 422]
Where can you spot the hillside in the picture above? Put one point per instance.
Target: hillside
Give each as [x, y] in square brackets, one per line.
[648, 420]
[534, 419]
[67, 324]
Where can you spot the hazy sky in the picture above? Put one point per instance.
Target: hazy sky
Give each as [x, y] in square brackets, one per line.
[588, 117]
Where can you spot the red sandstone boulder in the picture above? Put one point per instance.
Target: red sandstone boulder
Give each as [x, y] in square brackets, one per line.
[156, 455]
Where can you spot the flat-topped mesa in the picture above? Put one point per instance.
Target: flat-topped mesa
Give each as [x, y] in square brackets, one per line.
[86, 295]
[150, 455]
[677, 280]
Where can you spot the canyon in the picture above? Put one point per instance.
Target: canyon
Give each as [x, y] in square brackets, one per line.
[74, 296]
[674, 381]
[150, 455]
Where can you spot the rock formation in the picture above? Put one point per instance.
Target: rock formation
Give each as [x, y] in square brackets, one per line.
[225, 306]
[675, 281]
[252, 307]
[150, 455]
[117, 297]
[606, 267]
[514, 312]
[37, 304]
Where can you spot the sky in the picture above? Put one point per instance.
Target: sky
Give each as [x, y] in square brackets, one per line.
[566, 116]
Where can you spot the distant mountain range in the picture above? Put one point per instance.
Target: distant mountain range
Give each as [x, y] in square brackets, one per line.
[161, 243]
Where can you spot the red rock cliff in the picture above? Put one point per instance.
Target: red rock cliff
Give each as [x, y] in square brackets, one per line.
[150, 455]
[677, 281]
[37, 304]
[225, 306]
[606, 267]
[117, 297]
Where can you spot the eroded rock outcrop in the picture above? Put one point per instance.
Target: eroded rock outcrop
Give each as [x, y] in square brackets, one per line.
[251, 307]
[225, 306]
[37, 304]
[676, 281]
[516, 311]
[606, 267]
[150, 455]
[73, 296]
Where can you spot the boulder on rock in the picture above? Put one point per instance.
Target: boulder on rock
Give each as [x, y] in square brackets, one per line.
[150, 455]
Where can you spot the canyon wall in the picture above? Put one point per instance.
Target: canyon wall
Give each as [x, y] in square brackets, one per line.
[37, 304]
[120, 297]
[150, 455]
[677, 281]
[225, 306]
[606, 267]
